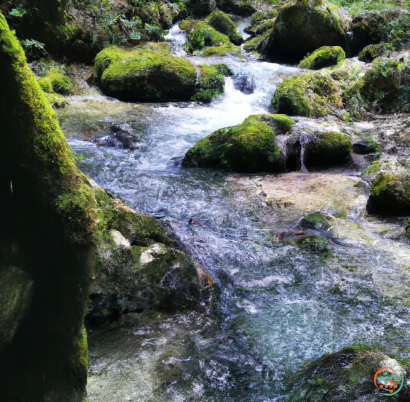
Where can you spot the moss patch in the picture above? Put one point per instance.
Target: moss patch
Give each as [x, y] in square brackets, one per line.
[222, 23]
[248, 147]
[326, 56]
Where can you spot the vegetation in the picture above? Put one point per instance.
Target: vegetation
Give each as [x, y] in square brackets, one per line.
[325, 56]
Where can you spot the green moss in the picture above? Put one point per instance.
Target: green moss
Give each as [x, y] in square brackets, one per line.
[222, 50]
[390, 195]
[325, 56]
[145, 74]
[327, 149]
[371, 52]
[56, 101]
[222, 23]
[315, 244]
[308, 94]
[372, 169]
[54, 80]
[223, 69]
[248, 147]
[204, 35]
[254, 44]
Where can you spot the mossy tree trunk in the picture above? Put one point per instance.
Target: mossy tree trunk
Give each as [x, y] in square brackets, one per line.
[48, 234]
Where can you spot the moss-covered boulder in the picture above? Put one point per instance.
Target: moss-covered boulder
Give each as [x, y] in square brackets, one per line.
[48, 232]
[244, 8]
[248, 147]
[327, 149]
[309, 94]
[202, 36]
[305, 26]
[222, 23]
[325, 56]
[371, 52]
[137, 268]
[390, 195]
[145, 74]
[200, 8]
[346, 375]
[211, 82]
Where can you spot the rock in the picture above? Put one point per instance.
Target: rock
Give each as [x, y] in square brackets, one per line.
[248, 147]
[201, 8]
[325, 56]
[258, 43]
[244, 8]
[245, 84]
[137, 267]
[305, 26]
[316, 221]
[390, 195]
[366, 147]
[211, 82]
[201, 35]
[371, 52]
[106, 139]
[344, 376]
[327, 149]
[145, 74]
[222, 23]
[49, 231]
[309, 94]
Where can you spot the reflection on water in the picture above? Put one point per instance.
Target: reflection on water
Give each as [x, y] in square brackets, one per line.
[281, 306]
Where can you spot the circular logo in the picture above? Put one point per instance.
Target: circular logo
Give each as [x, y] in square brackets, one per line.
[388, 381]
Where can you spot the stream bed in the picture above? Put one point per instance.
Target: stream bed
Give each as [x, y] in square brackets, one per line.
[280, 306]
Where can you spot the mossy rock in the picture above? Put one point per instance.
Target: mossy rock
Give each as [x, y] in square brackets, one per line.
[134, 279]
[346, 375]
[54, 80]
[222, 23]
[314, 243]
[371, 52]
[248, 147]
[390, 195]
[308, 94]
[327, 149]
[305, 26]
[258, 43]
[201, 35]
[260, 28]
[200, 8]
[222, 50]
[145, 75]
[316, 221]
[56, 100]
[48, 231]
[325, 56]
[243, 8]
[211, 82]
[280, 123]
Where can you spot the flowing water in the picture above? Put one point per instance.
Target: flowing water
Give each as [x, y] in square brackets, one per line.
[280, 306]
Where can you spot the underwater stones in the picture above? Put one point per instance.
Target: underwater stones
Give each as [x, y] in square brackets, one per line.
[145, 74]
[327, 149]
[390, 195]
[325, 56]
[118, 136]
[305, 26]
[16, 291]
[248, 147]
[222, 23]
[343, 376]
[308, 94]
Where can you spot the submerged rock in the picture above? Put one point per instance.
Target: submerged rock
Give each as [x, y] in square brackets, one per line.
[119, 136]
[325, 56]
[245, 83]
[305, 26]
[248, 147]
[390, 195]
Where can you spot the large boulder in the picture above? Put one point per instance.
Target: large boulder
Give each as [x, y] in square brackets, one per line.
[308, 94]
[305, 26]
[325, 56]
[348, 375]
[138, 269]
[248, 147]
[222, 23]
[48, 237]
[390, 195]
[200, 8]
[244, 8]
[145, 74]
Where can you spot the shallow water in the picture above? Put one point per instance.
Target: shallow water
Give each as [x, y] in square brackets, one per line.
[281, 306]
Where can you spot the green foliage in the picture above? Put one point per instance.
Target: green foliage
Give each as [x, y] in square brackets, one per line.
[54, 80]
[314, 244]
[18, 12]
[33, 48]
